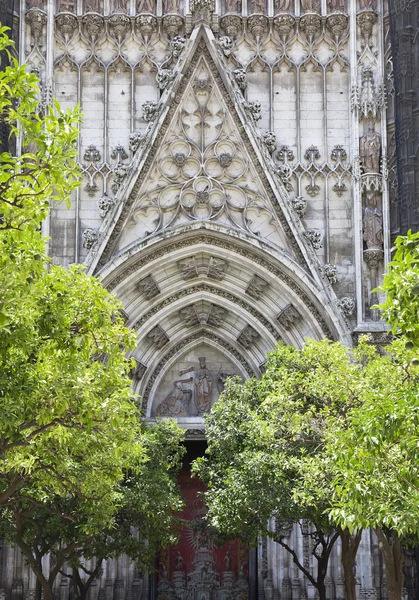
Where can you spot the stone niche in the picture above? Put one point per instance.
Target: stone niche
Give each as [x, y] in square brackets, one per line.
[192, 383]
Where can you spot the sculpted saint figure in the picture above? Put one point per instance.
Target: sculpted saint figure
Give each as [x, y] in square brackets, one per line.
[176, 404]
[309, 5]
[366, 4]
[145, 6]
[282, 5]
[258, 6]
[373, 224]
[203, 386]
[370, 145]
[233, 6]
[120, 5]
[170, 6]
[91, 6]
[336, 5]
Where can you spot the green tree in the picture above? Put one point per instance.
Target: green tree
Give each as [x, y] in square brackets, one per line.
[401, 285]
[267, 459]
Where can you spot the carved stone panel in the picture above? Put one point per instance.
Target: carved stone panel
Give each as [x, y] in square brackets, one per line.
[257, 287]
[288, 316]
[158, 336]
[248, 337]
[148, 287]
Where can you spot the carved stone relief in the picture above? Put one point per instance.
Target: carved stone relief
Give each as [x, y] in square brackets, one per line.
[148, 287]
[158, 337]
[373, 224]
[288, 316]
[257, 287]
[248, 337]
[370, 150]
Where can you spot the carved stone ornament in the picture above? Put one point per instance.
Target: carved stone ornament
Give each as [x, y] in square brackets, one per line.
[366, 21]
[299, 206]
[248, 337]
[137, 373]
[369, 100]
[330, 272]
[312, 154]
[336, 5]
[367, 4]
[136, 140]
[202, 9]
[269, 141]
[232, 25]
[347, 306]
[233, 6]
[288, 316]
[164, 77]
[337, 24]
[37, 19]
[91, 154]
[370, 149]
[226, 45]
[148, 287]
[373, 258]
[189, 316]
[311, 25]
[146, 6]
[146, 24]
[177, 44]
[257, 287]
[254, 108]
[176, 404]
[119, 154]
[120, 173]
[93, 25]
[339, 154]
[90, 237]
[240, 78]
[217, 268]
[282, 5]
[371, 182]
[172, 24]
[158, 337]
[217, 315]
[285, 154]
[150, 110]
[285, 24]
[188, 268]
[119, 25]
[257, 25]
[314, 237]
[106, 203]
[67, 25]
[373, 233]
[284, 173]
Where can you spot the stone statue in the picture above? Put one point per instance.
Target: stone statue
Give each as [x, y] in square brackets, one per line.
[370, 146]
[233, 6]
[309, 5]
[282, 5]
[203, 386]
[145, 6]
[258, 6]
[367, 4]
[338, 5]
[373, 224]
[170, 6]
[91, 6]
[227, 561]
[179, 562]
[120, 5]
[176, 404]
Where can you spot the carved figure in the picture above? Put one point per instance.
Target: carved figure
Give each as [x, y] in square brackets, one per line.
[203, 386]
[120, 5]
[257, 6]
[179, 562]
[91, 6]
[233, 6]
[227, 561]
[339, 5]
[145, 6]
[367, 4]
[373, 223]
[171, 5]
[282, 5]
[309, 5]
[370, 146]
[176, 404]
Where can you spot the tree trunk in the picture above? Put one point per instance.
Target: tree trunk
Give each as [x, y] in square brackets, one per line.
[38, 590]
[47, 589]
[390, 546]
[350, 545]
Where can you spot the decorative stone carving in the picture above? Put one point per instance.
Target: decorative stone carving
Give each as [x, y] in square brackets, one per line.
[106, 203]
[150, 110]
[226, 45]
[339, 187]
[339, 154]
[310, 24]
[254, 108]
[330, 272]
[148, 287]
[217, 268]
[35, 4]
[269, 140]
[91, 187]
[285, 154]
[347, 306]
[177, 44]
[37, 19]
[158, 336]
[285, 24]
[90, 237]
[188, 316]
[172, 24]
[233, 6]
[282, 5]
[371, 182]
[366, 21]
[312, 154]
[310, 5]
[120, 173]
[367, 4]
[146, 25]
[257, 24]
[299, 206]
[91, 6]
[91, 154]
[337, 24]
[240, 78]
[257, 287]
[336, 5]
[370, 100]
[203, 380]
[314, 237]
[288, 316]
[119, 25]
[248, 337]
[93, 25]
[176, 404]
[369, 148]
[137, 373]
[257, 6]
[120, 6]
[164, 77]
[217, 315]
[67, 25]
[136, 140]
[147, 6]
[171, 6]
[373, 258]
[188, 268]
[373, 224]
[284, 173]
[202, 9]
[119, 154]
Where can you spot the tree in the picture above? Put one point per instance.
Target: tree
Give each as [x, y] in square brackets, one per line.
[266, 456]
[376, 457]
[401, 285]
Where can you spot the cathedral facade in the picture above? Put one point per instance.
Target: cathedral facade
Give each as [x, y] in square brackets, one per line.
[239, 183]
